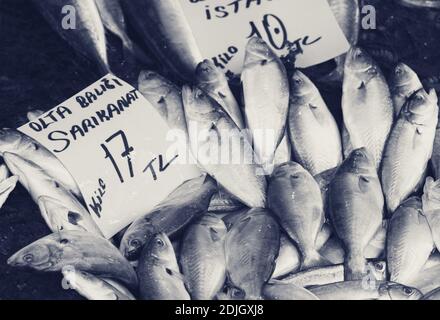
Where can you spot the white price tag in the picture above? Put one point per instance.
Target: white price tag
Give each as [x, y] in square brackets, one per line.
[223, 27]
[115, 145]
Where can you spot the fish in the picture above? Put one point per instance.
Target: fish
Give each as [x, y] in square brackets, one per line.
[6, 187]
[377, 270]
[251, 246]
[92, 287]
[113, 20]
[409, 148]
[356, 204]
[34, 114]
[15, 142]
[66, 211]
[165, 97]
[266, 99]
[211, 133]
[364, 290]
[409, 241]
[295, 198]
[80, 250]
[428, 278]
[158, 271]
[86, 36]
[214, 83]
[4, 172]
[164, 28]
[404, 82]
[187, 202]
[283, 291]
[202, 257]
[433, 295]
[314, 133]
[431, 208]
[348, 16]
[367, 107]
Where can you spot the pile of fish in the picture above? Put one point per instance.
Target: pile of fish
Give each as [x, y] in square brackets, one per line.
[323, 212]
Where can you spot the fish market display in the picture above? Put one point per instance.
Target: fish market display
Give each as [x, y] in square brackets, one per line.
[314, 134]
[409, 148]
[308, 190]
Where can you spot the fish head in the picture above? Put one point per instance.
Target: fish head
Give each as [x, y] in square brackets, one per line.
[36, 256]
[421, 108]
[9, 140]
[413, 202]
[208, 74]
[161, 248]
[359, 160]
[154, 86]
[431, 195]
[216, 225]
[291, 172]
[360, 65]
[396, 291]
[136, 237]
[301, 86]
[402, 76]
[378, 269]
[258, 52]
[198, 105]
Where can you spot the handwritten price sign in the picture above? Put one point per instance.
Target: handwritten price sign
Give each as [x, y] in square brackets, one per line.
[223, 27]
[115, 145]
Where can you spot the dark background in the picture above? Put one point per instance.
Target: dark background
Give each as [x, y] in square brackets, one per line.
[38, 70]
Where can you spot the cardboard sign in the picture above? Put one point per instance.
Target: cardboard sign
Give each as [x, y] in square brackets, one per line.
[222, 29]
[116, 146]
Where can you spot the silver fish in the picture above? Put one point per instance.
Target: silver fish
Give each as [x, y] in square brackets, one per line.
[403, 83]
[87, 36]
[92, 287]
[356, 203]
[363, 290]
[295, 197]
[158, 271]
[163, 26]
[6, 187]
[14, 141]
[366, 105]
[314, 133]
[187, 202]
[72, 215]
[80, 250]
[266, 99]
[409, 148]
[211, 132]
[202, 257]
[214, 83]
[409, 241]
[251, 248]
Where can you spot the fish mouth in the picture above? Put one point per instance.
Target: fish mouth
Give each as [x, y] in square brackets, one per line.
[358, 60]
[206, 71]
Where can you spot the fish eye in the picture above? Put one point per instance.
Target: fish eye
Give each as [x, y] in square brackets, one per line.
[372, 71]
[64, 241]
[297, 80]
[399, 71]
[159, 242]
[408, 291]
[379, 266]
[135, 243]
[237, 293]
[28, 258]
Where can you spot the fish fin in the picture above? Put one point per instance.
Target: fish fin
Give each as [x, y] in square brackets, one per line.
[74, 217]
[175, 274]
[355, 267]
[314, 259]
[214, 235]
[362, 86]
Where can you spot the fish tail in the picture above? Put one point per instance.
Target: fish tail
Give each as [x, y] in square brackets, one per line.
[355, 267]
[314, 259]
